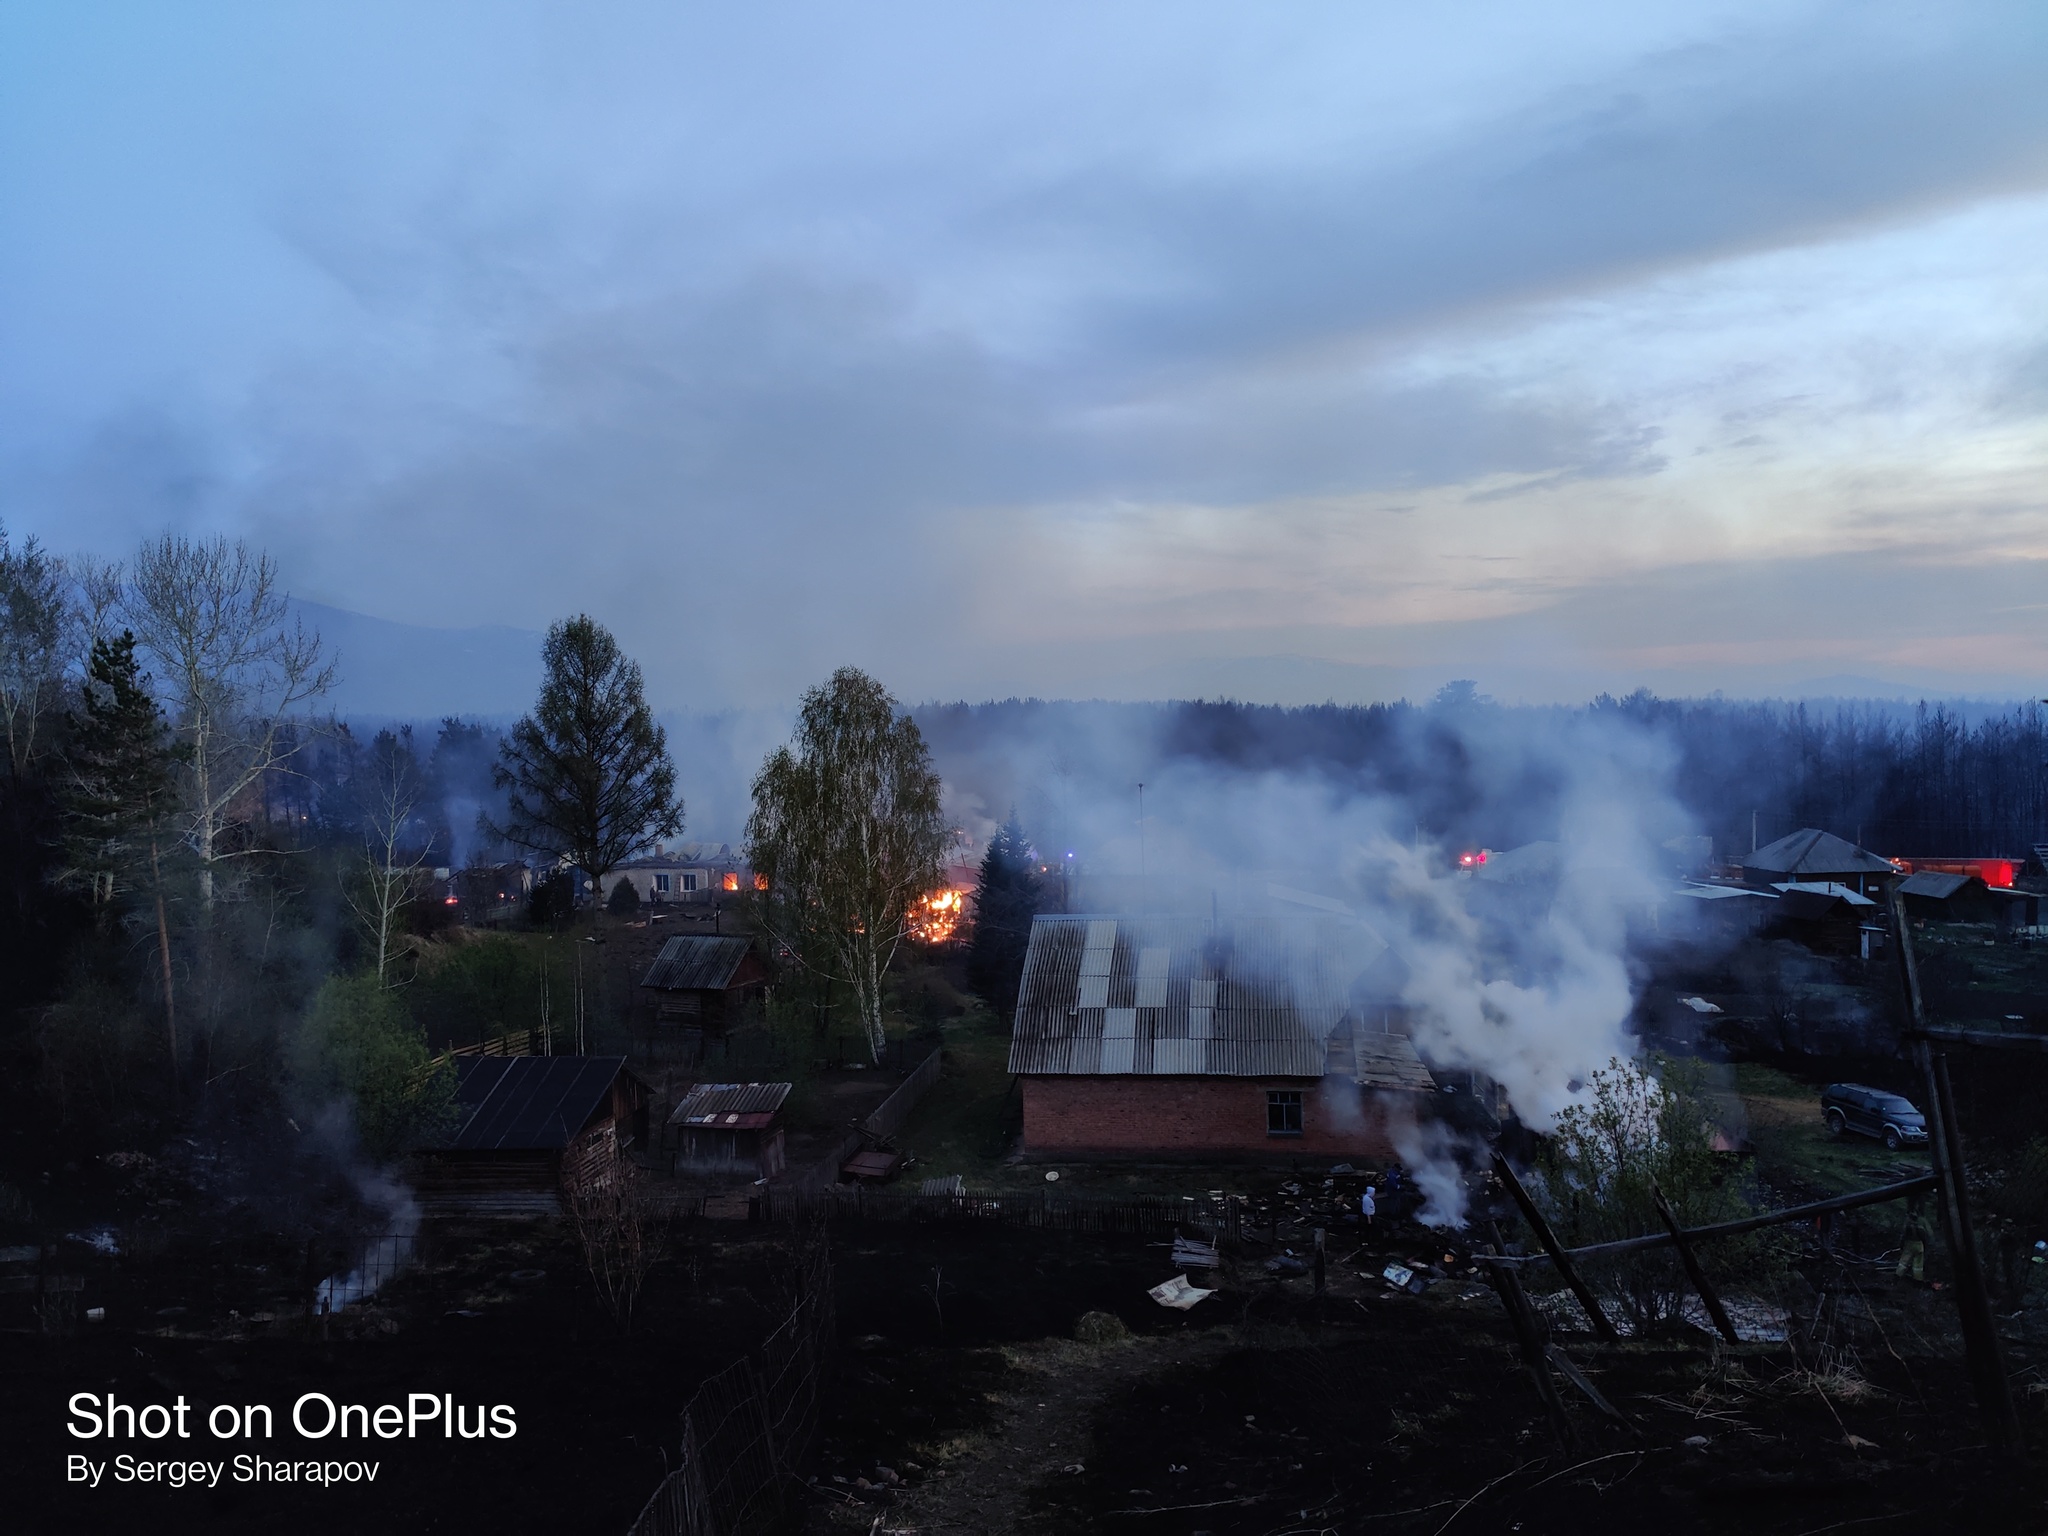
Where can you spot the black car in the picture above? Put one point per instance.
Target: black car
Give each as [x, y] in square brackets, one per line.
[1872, 1112]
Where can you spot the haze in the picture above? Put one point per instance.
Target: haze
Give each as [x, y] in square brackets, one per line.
[1322, 351]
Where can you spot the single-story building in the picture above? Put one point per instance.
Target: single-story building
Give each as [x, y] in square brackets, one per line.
[537, 1125]
[730, 1128]
[701, 982]
[1156, 1037]
[1959, 898]
[1813, 857]
[680, 873]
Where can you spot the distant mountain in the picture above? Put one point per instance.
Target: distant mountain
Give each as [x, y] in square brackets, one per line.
[419, 672]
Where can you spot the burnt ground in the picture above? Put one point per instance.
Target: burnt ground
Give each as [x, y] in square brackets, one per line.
[1266, 1411]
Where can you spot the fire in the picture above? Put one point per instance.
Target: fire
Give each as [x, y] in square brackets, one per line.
[732, 881]
[935, 919]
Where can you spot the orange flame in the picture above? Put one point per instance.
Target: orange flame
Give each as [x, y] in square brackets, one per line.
[935, 918]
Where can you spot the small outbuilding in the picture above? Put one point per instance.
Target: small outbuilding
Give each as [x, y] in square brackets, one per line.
[730, 1128]
[1960, 898]
[703, 982]
[535, 1125]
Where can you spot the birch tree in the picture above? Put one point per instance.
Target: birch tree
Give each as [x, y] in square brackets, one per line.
[34, 631]
[232, 666]
[385, 796]
[848, 833]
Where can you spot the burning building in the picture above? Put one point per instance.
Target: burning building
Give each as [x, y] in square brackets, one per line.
[1184, 1038]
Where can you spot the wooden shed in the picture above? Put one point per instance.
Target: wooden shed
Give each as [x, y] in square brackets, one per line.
[534, 1125]
[730, 1128]
[700, 982]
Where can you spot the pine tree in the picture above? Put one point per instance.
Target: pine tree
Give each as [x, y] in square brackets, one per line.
[588, 771]
[1006, 898]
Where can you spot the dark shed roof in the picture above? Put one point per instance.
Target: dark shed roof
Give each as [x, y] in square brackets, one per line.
[1187, 997]
[1933, 885]
[1811, 854]
[530, 1103]
[688, 964]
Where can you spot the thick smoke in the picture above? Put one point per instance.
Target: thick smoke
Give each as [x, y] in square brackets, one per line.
[1520, 970]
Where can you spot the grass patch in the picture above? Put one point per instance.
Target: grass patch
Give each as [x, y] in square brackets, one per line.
[1793, 1147]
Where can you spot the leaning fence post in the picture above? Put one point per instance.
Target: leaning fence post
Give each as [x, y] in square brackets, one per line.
[1708, 1296]
[1515, 1302]
[1588, 1303]
[1945, 1149]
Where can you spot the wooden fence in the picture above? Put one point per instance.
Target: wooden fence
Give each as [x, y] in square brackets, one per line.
[886, 1119]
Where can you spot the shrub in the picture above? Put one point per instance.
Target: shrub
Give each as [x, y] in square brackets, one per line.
[1101, 1328]
[1647, 1127]
[358, 1044]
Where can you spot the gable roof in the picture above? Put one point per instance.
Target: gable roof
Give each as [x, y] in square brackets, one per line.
[1811, 854]
[1389, 1061]
[530, 1103]
[690, 963]
[1187, 996]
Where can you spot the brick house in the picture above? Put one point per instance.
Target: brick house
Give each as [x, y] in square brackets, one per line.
[1170, 1038]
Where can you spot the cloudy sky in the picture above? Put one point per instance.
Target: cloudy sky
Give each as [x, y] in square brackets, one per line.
[1283, 351]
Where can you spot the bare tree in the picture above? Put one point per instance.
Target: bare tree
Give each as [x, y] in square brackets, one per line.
[386, 794]
[620, 1234]
[233, 666]
[35, 630]
[847, 831]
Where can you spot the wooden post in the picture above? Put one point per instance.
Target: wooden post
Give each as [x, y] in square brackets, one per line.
[1691, 1260]
[1521, 1316]
[1945, 1148]
[1588, 1303]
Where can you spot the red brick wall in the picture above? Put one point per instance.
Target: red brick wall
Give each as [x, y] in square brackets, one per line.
[1195, 1117]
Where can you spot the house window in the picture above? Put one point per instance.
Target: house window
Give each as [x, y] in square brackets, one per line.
[1283, 1114]
[689, 880]
[661, 884]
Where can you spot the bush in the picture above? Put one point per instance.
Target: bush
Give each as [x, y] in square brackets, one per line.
[1648, 1127]
[624, 900]
[359, 1045]
[1101, 1328]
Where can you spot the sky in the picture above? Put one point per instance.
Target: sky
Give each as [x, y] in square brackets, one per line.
[1139, 350]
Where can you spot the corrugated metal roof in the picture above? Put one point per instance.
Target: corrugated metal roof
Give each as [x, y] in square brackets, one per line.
[690, 964]
[1833, 890]
[708, 1103]
[1187, 997]
[530, 1103]
[1811, 852]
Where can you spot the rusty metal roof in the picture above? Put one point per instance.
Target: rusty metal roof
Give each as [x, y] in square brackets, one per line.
[692, 964]
[746, 1105]
[1187, 997]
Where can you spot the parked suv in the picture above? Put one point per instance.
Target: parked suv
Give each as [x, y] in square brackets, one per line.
[1872, 1112]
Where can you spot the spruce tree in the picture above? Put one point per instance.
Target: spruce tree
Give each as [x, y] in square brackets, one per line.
[119, 798]
[1006, 898]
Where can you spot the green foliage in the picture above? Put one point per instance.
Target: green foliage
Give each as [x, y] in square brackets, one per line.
[1648, 1126]
[486, 985]
[359, 1044]
[1006, 898]
[624, 900]
[848, 831]
[588, 771]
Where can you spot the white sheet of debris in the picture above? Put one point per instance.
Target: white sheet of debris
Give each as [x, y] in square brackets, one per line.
[1178, 1294]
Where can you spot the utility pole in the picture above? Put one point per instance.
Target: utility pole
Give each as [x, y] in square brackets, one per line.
[1141, 845]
